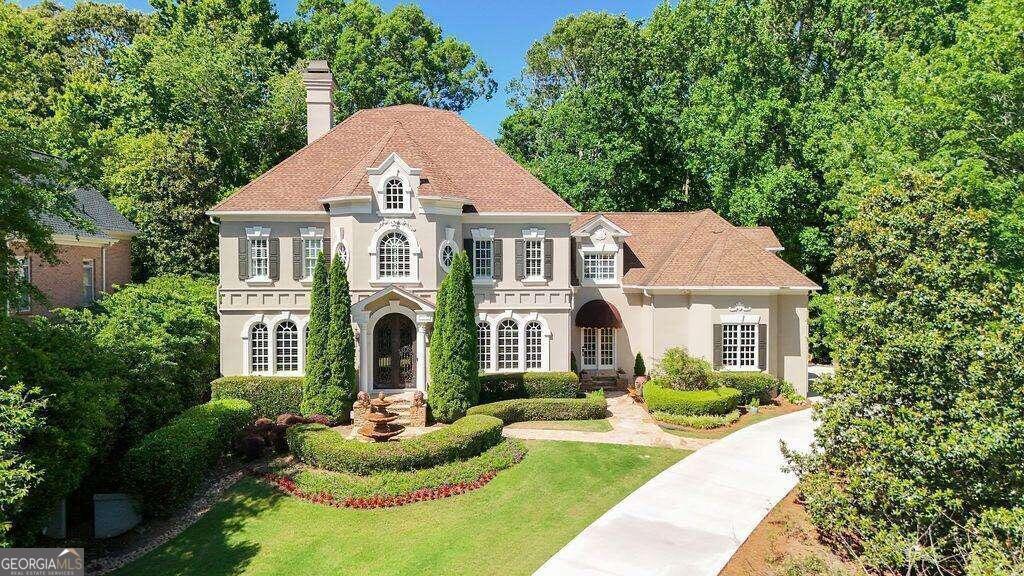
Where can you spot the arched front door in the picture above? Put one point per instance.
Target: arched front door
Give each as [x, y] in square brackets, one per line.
[394, 352]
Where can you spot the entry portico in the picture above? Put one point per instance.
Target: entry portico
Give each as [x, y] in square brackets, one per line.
[393, 358]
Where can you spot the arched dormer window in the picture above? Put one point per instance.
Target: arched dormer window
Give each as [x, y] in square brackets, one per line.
[394, 196]
[393, 256]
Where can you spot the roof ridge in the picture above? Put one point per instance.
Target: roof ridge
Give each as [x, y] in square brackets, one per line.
[364, 163]
[435, 166]
[656, 271]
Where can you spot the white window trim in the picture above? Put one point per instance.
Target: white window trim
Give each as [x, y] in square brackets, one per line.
[252, 233]
[414, 255]
[598, 349]
[406, 209]
[310, 233]
[521, 320]
[743, 319]
[611, 249]
[272, 322]
[449, 240]
[89, 263]
[482, 235]
[25, 271]
[394, 167]
[534, 234]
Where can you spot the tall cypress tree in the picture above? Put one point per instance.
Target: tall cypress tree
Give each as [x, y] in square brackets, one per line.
[341, 346]
[317, 371]
[454, 371]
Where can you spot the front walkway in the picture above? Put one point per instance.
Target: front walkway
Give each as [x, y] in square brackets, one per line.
[631, 425]
[690, 519]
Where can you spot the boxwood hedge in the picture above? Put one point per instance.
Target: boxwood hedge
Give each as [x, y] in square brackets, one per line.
[269, 395]
[592, 407]
[759, 385]
[325, 448]
[167, 466]
[660, 398]
[509, 385]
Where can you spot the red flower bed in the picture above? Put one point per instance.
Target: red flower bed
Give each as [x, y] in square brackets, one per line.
[288, 486]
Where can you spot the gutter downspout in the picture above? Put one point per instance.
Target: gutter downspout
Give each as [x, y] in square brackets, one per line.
[650, 320]
[103, 257]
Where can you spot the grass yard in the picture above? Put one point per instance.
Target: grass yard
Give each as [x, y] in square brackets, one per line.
[577, 425]
[763, 413]
[511, 526]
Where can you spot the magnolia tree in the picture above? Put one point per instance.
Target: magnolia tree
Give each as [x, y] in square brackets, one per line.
[454, 370]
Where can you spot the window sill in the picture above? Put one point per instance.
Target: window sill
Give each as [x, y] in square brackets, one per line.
[535, 281]
[740, 369]
[259, 282]
[387, 281]
[306, 281]
[603, 283]
[397, 213]
[483, 282]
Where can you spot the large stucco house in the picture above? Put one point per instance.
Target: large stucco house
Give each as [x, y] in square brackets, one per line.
[397, 191]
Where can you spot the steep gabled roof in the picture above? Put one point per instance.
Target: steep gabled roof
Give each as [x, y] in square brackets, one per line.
[456, 160]
[696, 249]
[94, 208]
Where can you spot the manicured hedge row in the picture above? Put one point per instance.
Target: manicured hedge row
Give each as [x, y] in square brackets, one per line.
[660, 398]
[269, 395]
[325, 448]
[759, 385]
[701, 421]
[167, 466]
[592, 407]
[509, 385]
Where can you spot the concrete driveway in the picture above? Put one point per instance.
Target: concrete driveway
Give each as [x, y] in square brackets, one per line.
[690, 519]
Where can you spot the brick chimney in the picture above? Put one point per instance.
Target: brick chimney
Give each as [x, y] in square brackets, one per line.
[319, 84]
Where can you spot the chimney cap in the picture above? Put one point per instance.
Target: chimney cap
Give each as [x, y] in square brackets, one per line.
[318, 66]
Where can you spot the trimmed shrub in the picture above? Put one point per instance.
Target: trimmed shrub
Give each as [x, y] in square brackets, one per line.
[592, 407]
[677, 369]
[660, 398]
[340, 393]
[169, 464]
[702, 421]
[454, 369]
[325, 448]
[269, 395]
[759, 385]
[509, 385]
[318, 376]
[639, 368]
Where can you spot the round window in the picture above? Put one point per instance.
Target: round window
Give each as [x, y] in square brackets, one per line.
[447, 255]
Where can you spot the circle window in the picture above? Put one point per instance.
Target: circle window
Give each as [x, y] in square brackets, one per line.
[447, 255]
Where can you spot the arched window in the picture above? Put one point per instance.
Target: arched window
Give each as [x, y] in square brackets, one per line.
[286, 346]
[447, 255]
[259, 349]
[508, 345]
[483, 345]
[394, 195]
[533, 345]
[341, 252]
[393, 256]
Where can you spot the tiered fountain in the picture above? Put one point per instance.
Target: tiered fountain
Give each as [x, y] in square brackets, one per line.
[379, 427]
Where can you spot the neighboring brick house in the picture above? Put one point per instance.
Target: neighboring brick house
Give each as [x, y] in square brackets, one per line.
[91, 262]
[397, 191]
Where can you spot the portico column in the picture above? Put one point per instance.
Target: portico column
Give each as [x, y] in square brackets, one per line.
[421, 350]
[364, 352]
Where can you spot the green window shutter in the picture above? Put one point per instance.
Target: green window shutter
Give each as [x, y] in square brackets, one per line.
[549, 255]
[520, 259]
[717, 354]
[275, 258]
[467, 246]
[762, 347]
[573, 278]
[496, 244]
[297, 258]
[243, 258]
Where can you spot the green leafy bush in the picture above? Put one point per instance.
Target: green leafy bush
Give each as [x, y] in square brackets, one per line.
[325, 448]
[677, 369]
[592, 407]
[169, 464]
[20, 415]
[753, 385]
[998, 548]
[270, 396]
[345, 485]
[509, 385]
[660, 398]
[701, 421]
[639, 368]
[454, 369]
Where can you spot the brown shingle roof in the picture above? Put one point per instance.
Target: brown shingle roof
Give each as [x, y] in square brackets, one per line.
[696, 249]
[764, 236]
[456, 160]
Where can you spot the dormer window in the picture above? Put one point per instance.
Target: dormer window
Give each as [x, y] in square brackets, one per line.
[599, 266]
[394, 196]
[599, 250]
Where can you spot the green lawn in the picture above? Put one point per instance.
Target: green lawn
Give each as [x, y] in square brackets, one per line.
[511, 526]
[578, 425]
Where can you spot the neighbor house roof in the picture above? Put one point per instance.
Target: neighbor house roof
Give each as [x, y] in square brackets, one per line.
[697, 249]
[94, 208]
[456, 161]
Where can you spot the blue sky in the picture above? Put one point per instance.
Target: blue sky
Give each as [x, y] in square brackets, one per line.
[500, 32]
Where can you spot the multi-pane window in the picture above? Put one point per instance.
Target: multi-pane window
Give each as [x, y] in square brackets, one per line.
[533, 346]
[483, 258]
[259, 257]
[599, 266]
[508, 345]
[447, 255]
[394, 195]
[739, 345]
[311, 249]
[24, 302]
[259, 349]
[598, 348]
[393, 256]
[88, 281]
[483, 345]
[534, 252]
[341, 252]
[286, 347]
